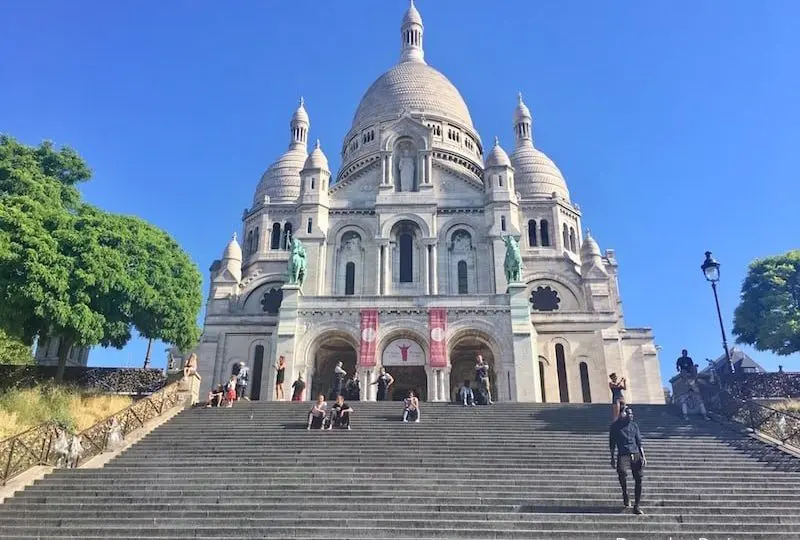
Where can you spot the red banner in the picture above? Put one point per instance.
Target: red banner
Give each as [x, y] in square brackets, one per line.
[437, 321]
[369, 338]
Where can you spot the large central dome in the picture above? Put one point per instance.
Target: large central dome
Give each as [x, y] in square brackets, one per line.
[414, 87]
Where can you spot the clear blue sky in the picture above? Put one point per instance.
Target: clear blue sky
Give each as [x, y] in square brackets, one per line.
[675, 123]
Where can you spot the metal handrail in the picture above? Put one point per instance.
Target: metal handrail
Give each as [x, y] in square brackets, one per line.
[51, 444]
[779, 425]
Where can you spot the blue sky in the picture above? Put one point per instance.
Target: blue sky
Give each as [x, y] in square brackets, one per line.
[675, 123]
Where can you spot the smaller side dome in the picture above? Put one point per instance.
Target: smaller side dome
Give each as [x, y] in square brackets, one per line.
[590, 248]
[497, 157]
[233, 251]
[316, 159]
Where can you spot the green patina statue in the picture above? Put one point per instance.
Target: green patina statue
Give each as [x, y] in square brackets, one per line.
[513, 262]
[297, 263]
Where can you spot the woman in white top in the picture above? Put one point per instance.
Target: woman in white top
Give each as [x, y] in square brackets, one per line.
[317, 414]
[411, 407]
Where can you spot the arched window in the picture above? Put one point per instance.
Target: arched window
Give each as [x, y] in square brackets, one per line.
[248, 247]
[502, 223]
[255, 241]
[406, 258]
[258, 368]
[500, 180]
[565, 234]
[541, 381]
[587, 392]
[313, 182]
[573, 244]
[287, 236]
[275, 241]
[531, 233]
[309, 225]
[462, 278]
[544, 233]
[350, 279]
[561, 366]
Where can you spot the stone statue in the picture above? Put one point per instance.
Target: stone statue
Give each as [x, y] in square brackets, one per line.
[462, 242]
[297, 262]
[406, 166]
[513, 262]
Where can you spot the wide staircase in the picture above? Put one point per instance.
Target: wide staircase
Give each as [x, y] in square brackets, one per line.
[535, 472]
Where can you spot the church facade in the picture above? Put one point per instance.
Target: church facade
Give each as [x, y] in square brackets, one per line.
[405, 249]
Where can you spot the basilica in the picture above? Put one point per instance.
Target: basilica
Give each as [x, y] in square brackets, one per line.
[404, 260]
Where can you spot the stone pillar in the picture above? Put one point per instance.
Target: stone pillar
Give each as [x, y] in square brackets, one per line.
[429, 168]
[383, 169]
[365, 378]
[441, 395]
[386, 269]
[435, 267]
[524, 372]
[285, 336]
[431, 376]
[379, 271]
[425, 270]
[389, 171]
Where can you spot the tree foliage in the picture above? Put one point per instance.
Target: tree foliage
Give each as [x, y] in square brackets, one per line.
[71, 270]
[14, 351]
[768, 316]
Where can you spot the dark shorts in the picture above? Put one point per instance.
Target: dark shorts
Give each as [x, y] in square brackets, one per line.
[630, 462]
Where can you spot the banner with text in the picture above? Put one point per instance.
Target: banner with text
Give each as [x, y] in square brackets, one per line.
[369, 338]
[437, 321]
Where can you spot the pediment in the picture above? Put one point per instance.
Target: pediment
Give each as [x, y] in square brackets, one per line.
[405, 126]
[450, 185]
[360, 186]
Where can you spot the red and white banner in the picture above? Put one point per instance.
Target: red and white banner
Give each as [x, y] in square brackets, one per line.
[437, 321]
[369, 338]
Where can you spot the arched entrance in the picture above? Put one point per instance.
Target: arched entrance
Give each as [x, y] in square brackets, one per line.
[463, 357]
[331, 350]
[404, 359]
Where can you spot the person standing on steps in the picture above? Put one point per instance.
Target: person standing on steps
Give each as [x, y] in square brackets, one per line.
[316, 418]
[411, 407]
[625, 439]
[230, 390]
[337, 383]
[241, 381]
[384, 381]
[353, 388]
[482, 378]
[298, 387]
[617, 388]
[280, 374]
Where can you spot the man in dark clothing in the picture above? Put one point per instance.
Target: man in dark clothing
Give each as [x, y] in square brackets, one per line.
[685, 364]
[626, 440]
[297, 389]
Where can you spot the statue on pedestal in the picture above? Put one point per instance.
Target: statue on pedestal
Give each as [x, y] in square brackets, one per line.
[513, 262]
[406, 166]
[297, 262]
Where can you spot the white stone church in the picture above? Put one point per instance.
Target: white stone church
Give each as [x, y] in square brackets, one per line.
[405, 258]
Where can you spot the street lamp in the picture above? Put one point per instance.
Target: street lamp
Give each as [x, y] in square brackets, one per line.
[710, 268]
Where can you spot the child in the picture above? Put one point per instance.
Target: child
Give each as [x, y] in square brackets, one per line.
[231, 390]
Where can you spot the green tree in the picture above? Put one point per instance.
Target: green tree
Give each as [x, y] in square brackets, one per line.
[68, 269]
[14, 351]
[768, 316]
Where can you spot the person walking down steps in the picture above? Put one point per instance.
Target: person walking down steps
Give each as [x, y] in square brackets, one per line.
[625, 440]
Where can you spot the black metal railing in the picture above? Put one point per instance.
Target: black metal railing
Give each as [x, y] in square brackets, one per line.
[50, 444]
[783, 426]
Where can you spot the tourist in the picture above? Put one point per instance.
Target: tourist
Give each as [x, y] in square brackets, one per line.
[694, 400]
[337, 384]
[617, 388]
[340, 413]
[216, 396]
[482, 378]
[230, 395]
[624, 438]
[384, 381]
[411, 407]
[353, 388]
[241, 381]
[465, 394]
[280, 371]
[298, 387]
[685, 365]
[316, 418]
[190, 367]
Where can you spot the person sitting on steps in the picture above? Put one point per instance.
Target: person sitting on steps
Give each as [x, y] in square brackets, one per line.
[216, 395]
[340, 413]
[694, 400]
[411, 407]
[190, 368]
[384, 381]
[465, 394]
[317, 415]
[617, 388]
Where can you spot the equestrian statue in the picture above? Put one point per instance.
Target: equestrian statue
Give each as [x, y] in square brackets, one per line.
[297, 263]
[513, 262]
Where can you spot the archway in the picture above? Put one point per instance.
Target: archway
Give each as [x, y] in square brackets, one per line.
[404, 359]
[463, 357]
[331, 350]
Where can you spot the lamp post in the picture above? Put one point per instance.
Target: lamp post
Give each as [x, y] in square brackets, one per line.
[710, 268]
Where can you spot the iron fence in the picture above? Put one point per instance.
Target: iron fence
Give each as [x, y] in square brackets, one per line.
[779, 425]
[50, 444]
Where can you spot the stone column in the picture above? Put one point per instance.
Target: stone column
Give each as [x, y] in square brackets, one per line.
[429, 168]
[441, 393]
[435, 266]
[364, 378]
[523, 373]
[389, 171]
[425, 272]
[386, 268]
[383, 169]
